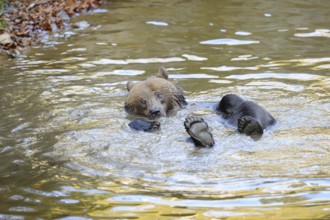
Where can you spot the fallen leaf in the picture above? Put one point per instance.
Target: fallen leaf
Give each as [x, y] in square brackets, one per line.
[5, 39]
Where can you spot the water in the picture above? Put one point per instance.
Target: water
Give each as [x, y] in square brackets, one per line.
[67, 152]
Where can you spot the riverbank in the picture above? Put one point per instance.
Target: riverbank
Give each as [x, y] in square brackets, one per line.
[23, 22]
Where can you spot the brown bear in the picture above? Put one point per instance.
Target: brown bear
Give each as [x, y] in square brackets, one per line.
[154, 97]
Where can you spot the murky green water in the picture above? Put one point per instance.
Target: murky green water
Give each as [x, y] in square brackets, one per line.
[66, 150]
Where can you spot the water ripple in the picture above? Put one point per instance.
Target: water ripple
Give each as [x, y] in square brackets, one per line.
[194, 57]
[229, 42]
[193, 76]
[141, 60]
[229, 68]
[296, 76]
[316, 33]
[157, 23]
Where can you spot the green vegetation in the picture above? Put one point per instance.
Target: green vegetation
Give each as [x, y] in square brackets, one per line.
[2, 24]
[3, 4]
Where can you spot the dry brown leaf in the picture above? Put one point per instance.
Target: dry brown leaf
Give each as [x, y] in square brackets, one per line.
[24, 18]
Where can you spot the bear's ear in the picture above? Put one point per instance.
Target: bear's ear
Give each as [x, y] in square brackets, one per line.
[129, 85]
[162, 73]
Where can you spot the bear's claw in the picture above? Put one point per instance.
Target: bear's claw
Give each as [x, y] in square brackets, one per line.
[198, 129]
[249, 126]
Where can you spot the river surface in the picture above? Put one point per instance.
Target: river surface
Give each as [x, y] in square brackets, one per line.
[66, 151]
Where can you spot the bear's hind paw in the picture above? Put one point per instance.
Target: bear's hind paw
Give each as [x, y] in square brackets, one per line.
[249, 126]
[198, 130]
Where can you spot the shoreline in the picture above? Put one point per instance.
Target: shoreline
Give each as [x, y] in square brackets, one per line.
[22, 23]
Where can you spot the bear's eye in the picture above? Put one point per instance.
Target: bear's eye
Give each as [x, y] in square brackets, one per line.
[159, 95]
[143, 102]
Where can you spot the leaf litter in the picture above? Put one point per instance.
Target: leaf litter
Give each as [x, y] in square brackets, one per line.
[22, 22]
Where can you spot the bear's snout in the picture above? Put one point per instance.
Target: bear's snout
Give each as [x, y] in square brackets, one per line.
[155, 112]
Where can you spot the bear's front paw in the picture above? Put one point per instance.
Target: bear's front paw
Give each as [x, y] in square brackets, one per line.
[198, 129]
[143, 125]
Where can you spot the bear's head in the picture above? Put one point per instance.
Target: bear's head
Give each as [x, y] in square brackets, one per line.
[154, 97]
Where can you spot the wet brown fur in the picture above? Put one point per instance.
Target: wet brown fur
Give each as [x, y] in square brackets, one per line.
[154, 94]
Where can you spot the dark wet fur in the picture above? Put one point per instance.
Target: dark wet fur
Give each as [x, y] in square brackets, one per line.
[143, 125]
[247, 116]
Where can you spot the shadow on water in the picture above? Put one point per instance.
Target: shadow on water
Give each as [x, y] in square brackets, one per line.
[66, 149]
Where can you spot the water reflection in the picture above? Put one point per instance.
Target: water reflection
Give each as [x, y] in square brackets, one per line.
[66, 148]
[229, 41]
